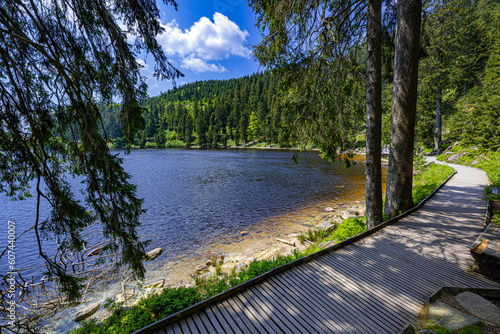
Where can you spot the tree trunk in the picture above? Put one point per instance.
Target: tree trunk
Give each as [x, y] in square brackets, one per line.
[439, 102]
[373, 189]
[404, 102]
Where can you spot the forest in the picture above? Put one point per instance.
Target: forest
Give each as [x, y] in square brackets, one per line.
[458, 82]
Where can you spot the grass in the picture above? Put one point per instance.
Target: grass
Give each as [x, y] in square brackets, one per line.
[428, 179]
[172, 300]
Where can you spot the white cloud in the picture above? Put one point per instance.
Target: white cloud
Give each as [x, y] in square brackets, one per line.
[142, 63]
[205, 41]
[199, 65]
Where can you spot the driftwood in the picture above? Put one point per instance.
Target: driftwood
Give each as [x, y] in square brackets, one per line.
[38, 298]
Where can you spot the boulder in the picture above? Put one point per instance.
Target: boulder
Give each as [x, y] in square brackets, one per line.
[449, 317]
[479, 306]
[152, 254]
[215, 259]
[87, 311]
[122, 297]
[155, 284]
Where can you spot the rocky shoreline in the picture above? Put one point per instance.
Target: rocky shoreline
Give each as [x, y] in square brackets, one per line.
[218, 264]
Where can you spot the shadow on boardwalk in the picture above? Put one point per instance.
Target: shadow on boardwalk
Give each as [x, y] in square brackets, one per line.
[375, 285]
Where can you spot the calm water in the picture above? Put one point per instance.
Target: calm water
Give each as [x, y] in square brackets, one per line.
[199, 200]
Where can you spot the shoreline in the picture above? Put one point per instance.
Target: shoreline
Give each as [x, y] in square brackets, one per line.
[250, 246]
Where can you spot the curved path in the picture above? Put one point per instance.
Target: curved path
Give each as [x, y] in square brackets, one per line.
[375, 285]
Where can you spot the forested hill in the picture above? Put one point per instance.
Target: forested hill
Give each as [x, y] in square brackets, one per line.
[210, 113]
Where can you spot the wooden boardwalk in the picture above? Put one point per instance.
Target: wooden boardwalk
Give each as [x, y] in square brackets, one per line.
[375, 285]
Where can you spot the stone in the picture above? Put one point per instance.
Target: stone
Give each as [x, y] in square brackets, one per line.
[243, 233]
[479, 306]
[215, 259]
[329, 209]
[449, 317]
[87, 311]
[153, 254]
[203, 267]
[155, 284]
[123, 297]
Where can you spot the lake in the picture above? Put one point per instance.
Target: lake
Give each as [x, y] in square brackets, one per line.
[201, 200]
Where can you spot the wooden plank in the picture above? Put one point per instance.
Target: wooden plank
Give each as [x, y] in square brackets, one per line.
[203, 324]
[404, 282]
[258, 314]
[315, 311]
[235, 304]
[213, 320]
[360, 299]
[177, 328]
[357, 308]
[298, 310]
[264, 309]
[235, 317]
[373, 279]
[232, 324]
[220, 318]
[184, 326]
[251, 314]
[293, 325]
[446, 270]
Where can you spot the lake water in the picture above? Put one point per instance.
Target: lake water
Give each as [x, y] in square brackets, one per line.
[200, 200]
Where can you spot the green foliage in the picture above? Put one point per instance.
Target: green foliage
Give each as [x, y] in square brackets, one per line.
[147, 311]
[428, 179]
[62, 63]
[348, 229]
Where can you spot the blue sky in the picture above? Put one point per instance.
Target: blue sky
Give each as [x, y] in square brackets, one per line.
[205, 39]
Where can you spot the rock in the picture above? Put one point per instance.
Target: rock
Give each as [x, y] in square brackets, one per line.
[329, 209]
[122, 297]
[87, 311]
[215, 259]
[288, 242]
[475, 162]
[449, 317]
[479, 306]
[153, 254]
[203, 267]
[427, 164]
[243, 233]
[155, 284]
[327, 244]
[495, 190]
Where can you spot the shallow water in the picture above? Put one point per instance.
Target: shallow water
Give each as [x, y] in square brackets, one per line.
[200, 200]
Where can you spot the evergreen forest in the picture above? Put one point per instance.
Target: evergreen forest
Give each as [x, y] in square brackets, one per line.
[458, 81]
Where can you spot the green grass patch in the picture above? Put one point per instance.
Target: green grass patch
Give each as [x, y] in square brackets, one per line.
[428, 179]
